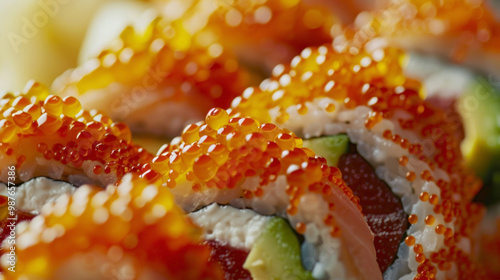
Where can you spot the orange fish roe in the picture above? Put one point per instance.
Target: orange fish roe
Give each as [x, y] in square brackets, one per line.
[353, 77]
[242, 147]
[410, 240]
[46, 135]
[134, 229]
[413, 219]
[157, 66]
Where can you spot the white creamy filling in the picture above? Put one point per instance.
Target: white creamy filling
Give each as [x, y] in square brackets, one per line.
[33, 194]
[239, 228]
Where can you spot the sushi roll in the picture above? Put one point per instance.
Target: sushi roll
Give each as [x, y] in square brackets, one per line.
[156, 80]
[256, 191]
[261, 33]
[462, 31]
[45, 135]
[410, 144]
[130, 231]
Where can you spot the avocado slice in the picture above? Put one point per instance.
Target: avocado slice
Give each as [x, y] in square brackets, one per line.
[276, 254]
[329, 147]
[480, 110]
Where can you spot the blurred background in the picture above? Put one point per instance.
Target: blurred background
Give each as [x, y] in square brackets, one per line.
[40, 39]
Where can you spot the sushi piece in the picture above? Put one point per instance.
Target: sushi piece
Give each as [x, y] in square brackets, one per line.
[45, 135]
[462, 31]
[130, 231]
[261, 33]
[156, 80]
[363, 93]
[253, 188]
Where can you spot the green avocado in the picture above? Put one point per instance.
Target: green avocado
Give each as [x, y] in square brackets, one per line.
[276, 254]
[480, 110]
[329, 147]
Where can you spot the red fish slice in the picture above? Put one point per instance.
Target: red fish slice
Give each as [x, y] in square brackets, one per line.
[231, 260]
[382, 209]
